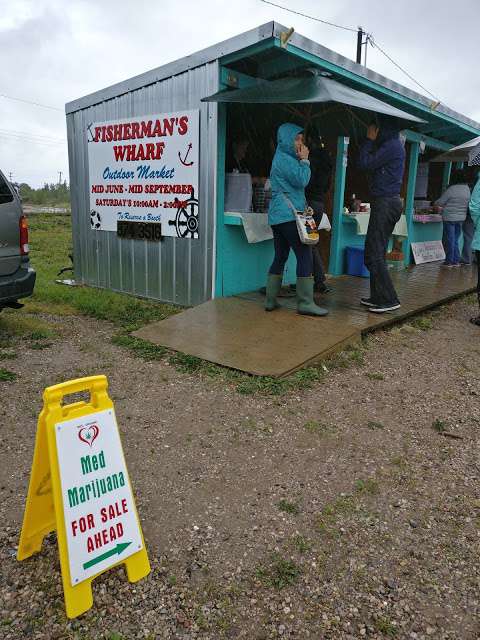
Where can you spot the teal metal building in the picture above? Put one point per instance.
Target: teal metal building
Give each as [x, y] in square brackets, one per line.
[222, 262]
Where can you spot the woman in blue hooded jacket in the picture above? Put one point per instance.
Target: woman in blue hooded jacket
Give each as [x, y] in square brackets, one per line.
[289, 175]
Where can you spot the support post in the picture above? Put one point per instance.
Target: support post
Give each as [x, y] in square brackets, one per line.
[410, 199]
[447, 170]
[220, 199]
[335, 266]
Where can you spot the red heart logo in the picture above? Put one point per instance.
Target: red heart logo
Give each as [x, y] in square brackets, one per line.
[89, 434]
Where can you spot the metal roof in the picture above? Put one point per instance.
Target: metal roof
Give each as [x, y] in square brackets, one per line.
[270, 30]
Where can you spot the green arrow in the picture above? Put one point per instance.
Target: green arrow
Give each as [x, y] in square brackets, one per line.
[116, 550]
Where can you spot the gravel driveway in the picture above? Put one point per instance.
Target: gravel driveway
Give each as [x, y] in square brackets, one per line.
[346, 510]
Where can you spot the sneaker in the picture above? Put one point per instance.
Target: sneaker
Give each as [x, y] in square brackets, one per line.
[322, 288]
[464, 263]
[368, 302]
[382, 308]
[456, 264]
[447, 264]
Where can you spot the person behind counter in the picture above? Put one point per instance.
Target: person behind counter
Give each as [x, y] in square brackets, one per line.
[454, 203]
[321, 166]
[237, 161]
[382, 155]
[474, 208]
[289, 175]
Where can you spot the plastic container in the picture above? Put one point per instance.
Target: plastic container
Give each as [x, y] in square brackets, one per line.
[355, 262]
[238, 192]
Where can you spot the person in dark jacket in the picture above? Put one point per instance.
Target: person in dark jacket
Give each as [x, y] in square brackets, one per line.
[321, 166]
[382, 155]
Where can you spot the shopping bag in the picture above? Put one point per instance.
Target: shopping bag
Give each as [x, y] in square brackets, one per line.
[306, 225]
[324, 223]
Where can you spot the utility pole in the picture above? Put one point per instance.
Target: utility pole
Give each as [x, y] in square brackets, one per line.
[10, 176]
[59, 177]
[359, 45]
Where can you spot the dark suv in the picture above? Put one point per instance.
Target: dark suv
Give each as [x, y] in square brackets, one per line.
[17, 278]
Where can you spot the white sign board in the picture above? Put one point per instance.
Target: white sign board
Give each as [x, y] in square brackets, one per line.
[428, 251]
[145, 169]
[100, 517]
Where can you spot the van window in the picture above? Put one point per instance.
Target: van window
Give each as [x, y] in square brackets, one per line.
[5, 193]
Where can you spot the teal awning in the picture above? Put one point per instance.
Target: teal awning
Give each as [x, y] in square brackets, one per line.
[308, 89]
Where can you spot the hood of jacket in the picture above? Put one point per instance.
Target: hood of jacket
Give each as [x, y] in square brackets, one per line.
[286, 135]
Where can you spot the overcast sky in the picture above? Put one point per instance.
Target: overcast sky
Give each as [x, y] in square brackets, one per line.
[54, 51]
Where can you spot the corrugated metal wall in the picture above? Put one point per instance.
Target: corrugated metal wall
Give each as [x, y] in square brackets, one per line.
[174, 270]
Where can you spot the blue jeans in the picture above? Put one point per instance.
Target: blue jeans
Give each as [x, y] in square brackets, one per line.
[285, 237]
[452, 235]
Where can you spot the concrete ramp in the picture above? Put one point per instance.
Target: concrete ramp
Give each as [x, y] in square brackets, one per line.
[237, 332]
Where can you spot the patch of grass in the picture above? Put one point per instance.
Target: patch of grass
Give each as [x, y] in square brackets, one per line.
[288, 507]
[313, 426]
[301, 544]
[375, 376]
[39, 345]
[113, 635]
[18, 324]
[47, 231]
[424, 323]
[278, 572]
[374, 426]
[185, 363]
[385, 626]
[8, 355]
[370, 485]
[172, 580]
[7, 376]
[141, 348]
[439, 425]
[351, 356]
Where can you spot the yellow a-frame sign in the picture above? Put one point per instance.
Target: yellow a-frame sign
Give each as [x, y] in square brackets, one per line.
[79, 486]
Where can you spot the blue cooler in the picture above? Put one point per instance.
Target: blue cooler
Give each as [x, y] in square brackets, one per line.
[355, 262]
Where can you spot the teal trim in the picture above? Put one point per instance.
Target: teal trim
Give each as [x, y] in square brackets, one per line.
[242, 79]
[413, 136]
[335, 266]
[459, 165]
[447, 170]
[252, 50]
[409, 200]
[234, 221]
[220, 237]
[345, 73]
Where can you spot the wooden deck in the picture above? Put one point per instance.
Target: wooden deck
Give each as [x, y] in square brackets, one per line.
[237, 333]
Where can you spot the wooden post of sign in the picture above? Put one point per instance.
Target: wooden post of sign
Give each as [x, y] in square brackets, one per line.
[79, 486]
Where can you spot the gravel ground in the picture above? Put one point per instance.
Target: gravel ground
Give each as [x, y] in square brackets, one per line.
[347, 510]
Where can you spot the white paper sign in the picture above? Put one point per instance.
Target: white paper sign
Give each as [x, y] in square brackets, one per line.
[428, 251]
[100, 518]
[145, 169]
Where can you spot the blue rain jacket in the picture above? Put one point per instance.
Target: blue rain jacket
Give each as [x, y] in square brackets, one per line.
[474, 207]
[288, 176]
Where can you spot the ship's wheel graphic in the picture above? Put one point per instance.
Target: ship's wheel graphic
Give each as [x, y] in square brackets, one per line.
[186, 220]
[95, 219]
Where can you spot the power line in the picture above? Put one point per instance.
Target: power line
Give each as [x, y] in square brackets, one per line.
[36, 104]
[14, 138]
[369, 39]
[376, 46]
[304, 15]
[32, 135]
